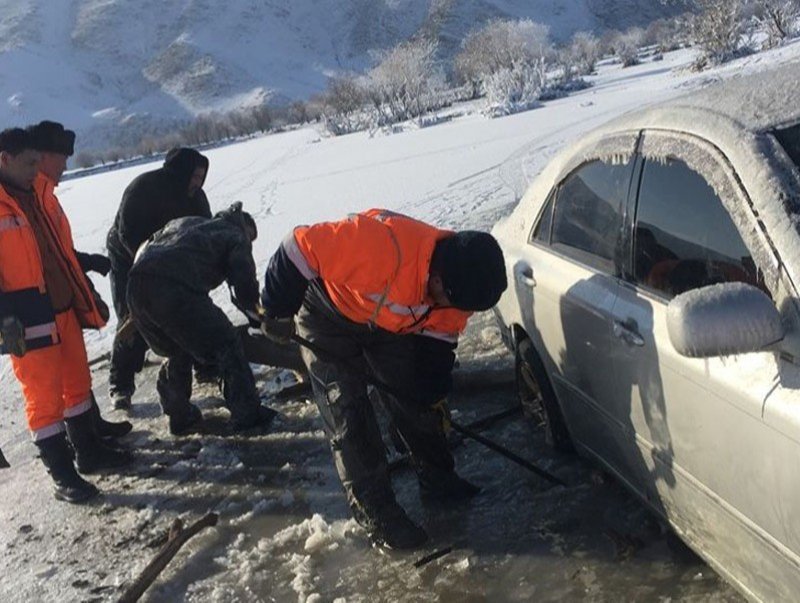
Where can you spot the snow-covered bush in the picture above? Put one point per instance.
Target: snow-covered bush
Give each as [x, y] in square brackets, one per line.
[500, 45]
[405, 83]
[627, 46]
[779, 19]
[584, 52]
[666, 34]
[514, 89]
[342, 106]
[718, 28]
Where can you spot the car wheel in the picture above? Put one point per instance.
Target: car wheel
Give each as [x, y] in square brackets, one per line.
[538, 399]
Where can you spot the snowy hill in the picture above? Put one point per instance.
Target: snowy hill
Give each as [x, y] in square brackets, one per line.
[107, 67]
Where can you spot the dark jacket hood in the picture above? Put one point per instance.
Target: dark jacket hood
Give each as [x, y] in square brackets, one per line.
[182, 161]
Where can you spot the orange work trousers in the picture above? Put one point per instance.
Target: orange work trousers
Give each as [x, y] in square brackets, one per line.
[56, 381]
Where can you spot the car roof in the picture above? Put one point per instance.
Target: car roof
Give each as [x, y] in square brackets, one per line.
[754, 102]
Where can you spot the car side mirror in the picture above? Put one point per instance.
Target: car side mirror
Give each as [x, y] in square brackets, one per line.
[729, 318]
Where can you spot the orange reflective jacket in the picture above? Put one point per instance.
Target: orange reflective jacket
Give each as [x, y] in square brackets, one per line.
[374, 267]
[20, 259]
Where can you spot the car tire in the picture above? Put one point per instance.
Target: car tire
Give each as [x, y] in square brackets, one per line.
[538, 400]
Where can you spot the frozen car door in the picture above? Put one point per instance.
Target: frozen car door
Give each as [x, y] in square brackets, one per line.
[573, 278]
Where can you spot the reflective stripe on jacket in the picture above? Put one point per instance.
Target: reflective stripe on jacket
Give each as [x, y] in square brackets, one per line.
[20, 258]
[374, 267]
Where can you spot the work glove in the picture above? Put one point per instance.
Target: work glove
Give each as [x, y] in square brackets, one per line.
[443, 412]
[279, 330]
[3, 462]
[95, 262]
[12, 336]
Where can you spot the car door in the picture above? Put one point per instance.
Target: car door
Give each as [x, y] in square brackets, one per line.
[706, 457]
[572, 280]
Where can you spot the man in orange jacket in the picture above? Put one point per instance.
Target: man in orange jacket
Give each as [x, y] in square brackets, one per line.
[45, 300]
[384, 293]
[55, 145]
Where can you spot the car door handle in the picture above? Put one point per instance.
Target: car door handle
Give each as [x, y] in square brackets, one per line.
[525, 276]
[627, 332]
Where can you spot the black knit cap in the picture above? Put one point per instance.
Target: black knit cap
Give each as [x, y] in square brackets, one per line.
[472, 269]
[51, 137]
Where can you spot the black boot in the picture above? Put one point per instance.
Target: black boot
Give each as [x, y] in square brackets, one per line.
[108, 429]
[389, 526]
[260, 422]
[190, 421]
[121, 401]
[445, 486]
[92, 455]
[57, 458]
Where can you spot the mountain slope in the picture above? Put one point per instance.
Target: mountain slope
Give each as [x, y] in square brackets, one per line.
[111, 67]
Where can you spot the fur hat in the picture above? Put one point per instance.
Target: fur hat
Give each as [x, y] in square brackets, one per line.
[51, 137]
[472, 269]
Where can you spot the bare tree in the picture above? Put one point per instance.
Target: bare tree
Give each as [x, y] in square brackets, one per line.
[584, 52]
[501, 44]
[717, 27]
[342, 104]
[778, 18]
[404, 83]
[86, 159]
[667, 34]
[627, 46]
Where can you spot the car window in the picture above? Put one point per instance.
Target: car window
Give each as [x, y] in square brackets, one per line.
[790, 141]
[684, 237]
[541, 232]
[588, 213]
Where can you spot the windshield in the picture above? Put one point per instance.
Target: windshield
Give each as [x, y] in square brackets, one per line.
[789, 138]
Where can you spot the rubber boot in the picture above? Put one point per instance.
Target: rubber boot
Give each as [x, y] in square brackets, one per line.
[108, 429]
[92, 455]
[57, 458]
[388, 526]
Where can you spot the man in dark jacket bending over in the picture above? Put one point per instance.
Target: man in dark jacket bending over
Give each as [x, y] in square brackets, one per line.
[148, 203]
[168, 289]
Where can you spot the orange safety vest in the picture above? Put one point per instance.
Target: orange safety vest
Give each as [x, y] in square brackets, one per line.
[20, 258]
[374, 267]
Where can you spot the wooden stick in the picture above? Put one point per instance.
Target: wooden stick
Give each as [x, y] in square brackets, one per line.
[177, 538]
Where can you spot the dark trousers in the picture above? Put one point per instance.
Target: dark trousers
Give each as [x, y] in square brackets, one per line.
[344, 352]
[186, 327]
[127, 358]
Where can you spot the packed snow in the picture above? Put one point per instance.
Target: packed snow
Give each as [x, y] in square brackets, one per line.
[285, 532]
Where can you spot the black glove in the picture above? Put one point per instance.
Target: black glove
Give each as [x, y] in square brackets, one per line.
[279, 330]
[94, 262]
[441, 409]
[253, 316]
[12, 336]
[3, 462]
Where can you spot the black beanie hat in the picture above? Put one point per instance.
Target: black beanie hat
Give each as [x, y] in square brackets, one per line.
[51, 137]
[472, 269]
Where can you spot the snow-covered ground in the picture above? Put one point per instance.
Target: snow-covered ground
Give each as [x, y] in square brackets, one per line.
[285, 532]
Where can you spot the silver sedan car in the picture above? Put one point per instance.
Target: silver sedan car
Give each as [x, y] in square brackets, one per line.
[654, 310]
